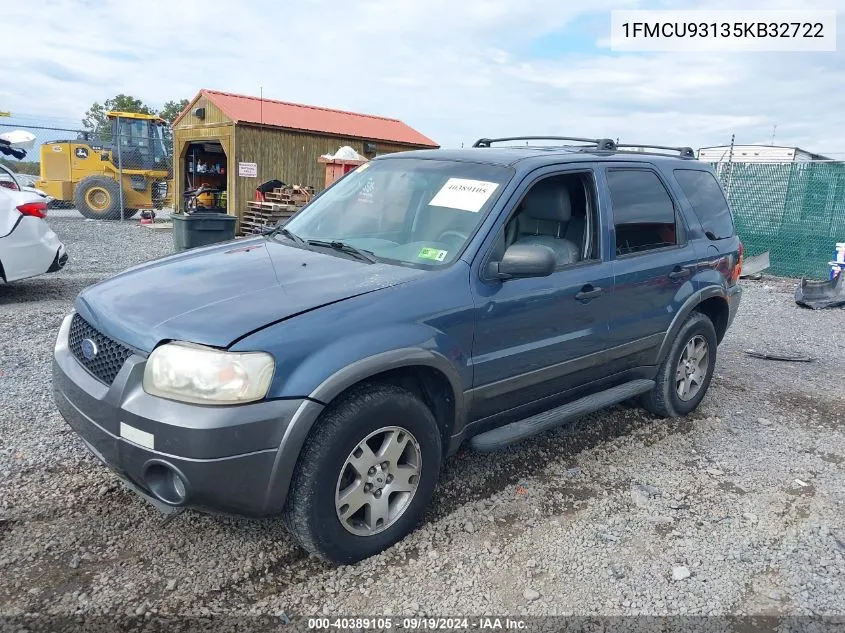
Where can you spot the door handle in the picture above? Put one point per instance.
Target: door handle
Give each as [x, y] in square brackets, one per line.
[589, 292]
[680, 273]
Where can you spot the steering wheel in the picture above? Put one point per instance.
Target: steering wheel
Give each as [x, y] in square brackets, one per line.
[445, 235]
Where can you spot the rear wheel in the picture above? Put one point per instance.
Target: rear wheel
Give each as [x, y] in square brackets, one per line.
[365, 475]
[684, 376]
[98, 198]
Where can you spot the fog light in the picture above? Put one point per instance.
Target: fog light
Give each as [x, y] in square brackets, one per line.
[166, 483]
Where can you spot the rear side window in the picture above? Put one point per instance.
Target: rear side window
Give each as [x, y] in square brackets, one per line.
[708, 202]
[643, 212]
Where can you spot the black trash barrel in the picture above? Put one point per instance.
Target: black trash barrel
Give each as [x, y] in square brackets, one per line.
[201, 229]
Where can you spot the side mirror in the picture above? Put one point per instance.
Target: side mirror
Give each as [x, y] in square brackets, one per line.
[524, 260]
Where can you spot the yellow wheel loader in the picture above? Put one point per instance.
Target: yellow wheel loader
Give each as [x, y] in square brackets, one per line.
[86, 173]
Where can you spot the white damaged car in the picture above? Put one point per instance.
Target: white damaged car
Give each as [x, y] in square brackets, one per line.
[28, 246]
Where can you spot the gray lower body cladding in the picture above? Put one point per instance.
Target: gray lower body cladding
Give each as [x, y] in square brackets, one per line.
[236, 484]
[220, 459]
[504, 436]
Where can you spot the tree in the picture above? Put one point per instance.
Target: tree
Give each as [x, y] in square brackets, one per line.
[96, 121]
[22, 166]
[169, 112]
[172, 109]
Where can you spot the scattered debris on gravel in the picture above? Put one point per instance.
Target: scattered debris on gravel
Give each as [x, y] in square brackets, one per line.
[739, 508]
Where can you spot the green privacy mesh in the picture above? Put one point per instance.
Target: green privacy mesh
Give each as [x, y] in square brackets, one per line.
[796, 211]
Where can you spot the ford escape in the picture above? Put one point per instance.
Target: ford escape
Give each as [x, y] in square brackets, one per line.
[322, 371]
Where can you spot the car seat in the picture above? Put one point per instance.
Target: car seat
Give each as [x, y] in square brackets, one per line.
[544, 219]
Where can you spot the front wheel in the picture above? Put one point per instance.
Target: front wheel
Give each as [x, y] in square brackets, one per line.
[684, 376]
[98, 198]
[365, 475]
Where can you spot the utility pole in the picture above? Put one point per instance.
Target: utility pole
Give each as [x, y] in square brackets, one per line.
[730, 167]
[119, 127]
[774, 130]
[260, 159]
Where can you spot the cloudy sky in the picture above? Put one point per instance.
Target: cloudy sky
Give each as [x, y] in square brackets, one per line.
[454, 69]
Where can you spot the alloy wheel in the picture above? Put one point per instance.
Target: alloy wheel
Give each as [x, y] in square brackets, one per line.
[692, 368]
[378, 481]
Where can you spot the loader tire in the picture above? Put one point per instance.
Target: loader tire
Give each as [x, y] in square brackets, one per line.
[98, 198]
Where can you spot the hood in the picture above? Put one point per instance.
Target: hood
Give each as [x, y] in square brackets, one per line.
[216, 295]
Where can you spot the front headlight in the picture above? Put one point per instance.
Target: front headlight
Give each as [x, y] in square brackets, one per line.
[203, 375]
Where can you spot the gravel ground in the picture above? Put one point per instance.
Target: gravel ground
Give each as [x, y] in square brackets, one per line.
[738, 509]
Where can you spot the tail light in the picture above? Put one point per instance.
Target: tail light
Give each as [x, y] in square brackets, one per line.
[737, 269]
[34, 209]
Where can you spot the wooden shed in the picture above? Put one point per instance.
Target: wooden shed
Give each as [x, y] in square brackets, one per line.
[235, 143]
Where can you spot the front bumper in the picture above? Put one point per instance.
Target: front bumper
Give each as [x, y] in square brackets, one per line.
[225, 458]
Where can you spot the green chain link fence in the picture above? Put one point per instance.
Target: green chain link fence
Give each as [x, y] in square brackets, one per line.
[796, 211]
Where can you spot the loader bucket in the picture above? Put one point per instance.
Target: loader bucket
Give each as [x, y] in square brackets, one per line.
[821, 294]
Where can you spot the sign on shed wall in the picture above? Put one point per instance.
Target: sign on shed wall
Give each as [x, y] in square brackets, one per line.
[248, 170]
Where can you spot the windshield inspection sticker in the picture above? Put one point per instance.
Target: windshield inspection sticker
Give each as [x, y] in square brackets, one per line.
[433, 253]
[463, 194]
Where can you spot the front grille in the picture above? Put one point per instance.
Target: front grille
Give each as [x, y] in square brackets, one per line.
[110, 354]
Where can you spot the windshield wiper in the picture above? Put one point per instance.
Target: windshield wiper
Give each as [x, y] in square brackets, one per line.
[288, 234]
[337, 245]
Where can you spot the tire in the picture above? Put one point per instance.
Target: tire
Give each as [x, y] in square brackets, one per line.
[98, 198]
[323, 471]
[665, 399]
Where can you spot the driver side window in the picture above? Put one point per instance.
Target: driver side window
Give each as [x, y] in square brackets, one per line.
[558, 212]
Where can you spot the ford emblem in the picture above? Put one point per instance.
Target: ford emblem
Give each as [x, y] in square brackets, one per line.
[89, 349]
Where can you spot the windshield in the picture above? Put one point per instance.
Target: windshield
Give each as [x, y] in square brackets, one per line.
[134, 133]
[142, 143]
[419, 212]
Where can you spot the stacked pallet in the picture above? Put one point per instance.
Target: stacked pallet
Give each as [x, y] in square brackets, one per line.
[279, 204]
[261, 215]
[296, 194]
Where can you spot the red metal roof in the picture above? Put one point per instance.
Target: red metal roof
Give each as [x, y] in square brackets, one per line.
[295, 116]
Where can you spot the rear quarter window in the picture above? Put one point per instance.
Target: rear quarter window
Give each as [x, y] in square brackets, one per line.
[707, 200]
[643, 211]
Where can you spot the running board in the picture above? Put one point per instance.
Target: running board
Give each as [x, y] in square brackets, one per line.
[497, 439]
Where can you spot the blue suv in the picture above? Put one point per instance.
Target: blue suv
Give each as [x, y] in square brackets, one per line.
[322, 371]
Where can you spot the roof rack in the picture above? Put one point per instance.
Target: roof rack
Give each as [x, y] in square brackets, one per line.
[603, 144]
[685, 152]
